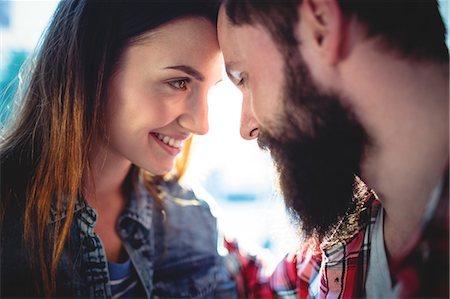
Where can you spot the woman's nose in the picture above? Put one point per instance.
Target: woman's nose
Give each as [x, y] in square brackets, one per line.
[195, 116]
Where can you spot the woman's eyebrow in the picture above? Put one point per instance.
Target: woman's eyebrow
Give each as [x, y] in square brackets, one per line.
[188, 70]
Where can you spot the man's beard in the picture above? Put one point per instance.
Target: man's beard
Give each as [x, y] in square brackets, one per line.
[317, 149]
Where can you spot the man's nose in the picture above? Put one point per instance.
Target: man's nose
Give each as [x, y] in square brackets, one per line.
[249, 126]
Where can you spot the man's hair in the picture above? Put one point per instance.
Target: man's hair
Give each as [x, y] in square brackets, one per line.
[412, 28]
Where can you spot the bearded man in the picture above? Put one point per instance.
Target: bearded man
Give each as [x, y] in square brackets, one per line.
[337, 91]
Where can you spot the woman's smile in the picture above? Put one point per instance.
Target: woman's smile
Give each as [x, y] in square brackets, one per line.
[172, 145]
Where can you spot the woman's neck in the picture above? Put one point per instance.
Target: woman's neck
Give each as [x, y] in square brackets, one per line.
[106, 177]
[103, 190]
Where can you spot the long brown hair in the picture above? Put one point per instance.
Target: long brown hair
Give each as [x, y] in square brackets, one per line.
[44, 154]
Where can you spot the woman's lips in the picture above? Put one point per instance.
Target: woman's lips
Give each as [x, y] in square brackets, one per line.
[172, 150]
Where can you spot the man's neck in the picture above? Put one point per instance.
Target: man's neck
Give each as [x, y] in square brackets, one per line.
[404, 107]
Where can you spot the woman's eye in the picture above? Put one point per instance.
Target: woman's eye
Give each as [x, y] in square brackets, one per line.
[179, 84]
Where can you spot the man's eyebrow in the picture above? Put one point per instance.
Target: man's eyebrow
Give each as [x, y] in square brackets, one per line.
[230, 65]
[188, 70]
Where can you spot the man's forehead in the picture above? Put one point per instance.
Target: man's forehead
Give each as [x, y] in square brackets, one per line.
[225, 28]
[223, 18]
[229, 41]
[231, 64]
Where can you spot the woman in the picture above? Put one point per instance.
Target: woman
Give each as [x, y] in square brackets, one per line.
[115, 90]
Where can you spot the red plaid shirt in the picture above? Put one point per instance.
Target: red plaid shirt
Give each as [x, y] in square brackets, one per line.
[339, 269]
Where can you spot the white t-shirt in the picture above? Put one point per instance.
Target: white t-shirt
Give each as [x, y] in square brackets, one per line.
[379, 283]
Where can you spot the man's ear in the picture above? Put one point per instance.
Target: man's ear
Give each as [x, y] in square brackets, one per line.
[322, 28]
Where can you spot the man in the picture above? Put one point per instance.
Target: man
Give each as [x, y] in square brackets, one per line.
[337, 91]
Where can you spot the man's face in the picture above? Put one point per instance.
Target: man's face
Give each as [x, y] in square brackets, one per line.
[315, 141]
[255, 66]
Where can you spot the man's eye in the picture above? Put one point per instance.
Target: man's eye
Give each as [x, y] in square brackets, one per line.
[239, 78]
[241, 82]
[179, 84]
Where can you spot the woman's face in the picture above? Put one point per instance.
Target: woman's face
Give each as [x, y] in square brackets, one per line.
[158, 95]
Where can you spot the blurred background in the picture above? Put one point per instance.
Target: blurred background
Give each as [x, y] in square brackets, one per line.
[232, 174]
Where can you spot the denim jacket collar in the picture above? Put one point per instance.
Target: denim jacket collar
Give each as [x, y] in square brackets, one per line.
[139, 208]
[80, 204]
[134, 228]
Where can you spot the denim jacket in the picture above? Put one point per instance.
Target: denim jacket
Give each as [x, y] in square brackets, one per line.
[172, 246]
